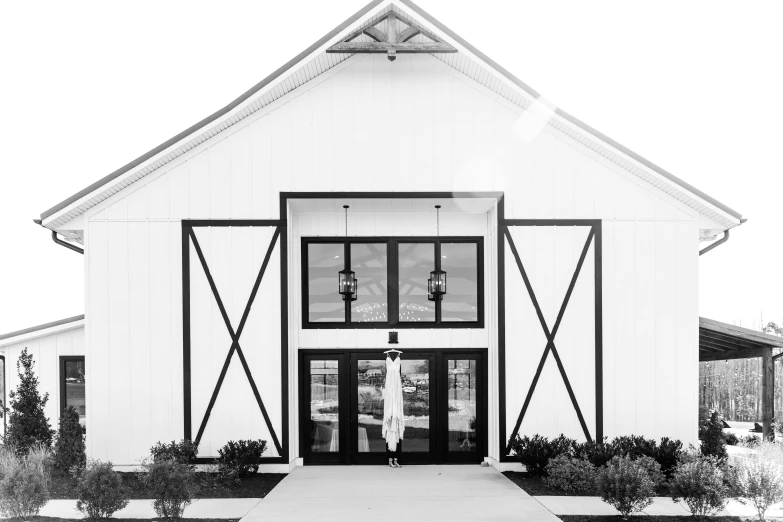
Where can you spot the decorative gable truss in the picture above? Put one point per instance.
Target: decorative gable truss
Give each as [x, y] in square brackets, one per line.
[390, 35]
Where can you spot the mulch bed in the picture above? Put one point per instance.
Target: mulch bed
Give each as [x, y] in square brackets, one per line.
[534, 485]
[57, 519]
[209, 486]
[648, 518]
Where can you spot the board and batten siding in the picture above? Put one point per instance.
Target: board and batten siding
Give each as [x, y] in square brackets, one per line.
[410, 125]
[46, 351]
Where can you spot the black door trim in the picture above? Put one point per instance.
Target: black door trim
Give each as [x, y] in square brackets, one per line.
[347, 393]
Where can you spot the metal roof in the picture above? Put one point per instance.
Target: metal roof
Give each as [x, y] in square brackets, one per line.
[719, 341]
[42, 327]
[244, 106]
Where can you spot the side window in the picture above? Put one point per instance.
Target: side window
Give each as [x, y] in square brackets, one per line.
[72, 386]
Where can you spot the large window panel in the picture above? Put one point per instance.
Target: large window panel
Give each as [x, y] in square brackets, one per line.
[325, 304]
[460, 262]
[416, 261]
[370, 262]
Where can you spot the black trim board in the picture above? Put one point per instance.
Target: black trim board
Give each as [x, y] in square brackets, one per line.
[188, 237]
[594, 237]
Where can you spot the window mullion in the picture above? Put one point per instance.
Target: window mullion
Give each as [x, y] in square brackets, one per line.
[393, 283]
[437, 267]
[347, 256]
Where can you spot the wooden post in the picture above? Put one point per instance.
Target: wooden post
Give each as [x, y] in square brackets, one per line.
[767, 394]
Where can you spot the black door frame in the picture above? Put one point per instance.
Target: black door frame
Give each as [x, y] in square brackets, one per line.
[348, 395]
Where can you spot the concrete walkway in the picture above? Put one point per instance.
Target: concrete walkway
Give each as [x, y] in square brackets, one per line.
[202, 508]
[378, 493]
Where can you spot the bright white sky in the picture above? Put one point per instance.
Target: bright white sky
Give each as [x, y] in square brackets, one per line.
[694, 87]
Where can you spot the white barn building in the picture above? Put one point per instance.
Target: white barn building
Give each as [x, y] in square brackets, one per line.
[211, 266]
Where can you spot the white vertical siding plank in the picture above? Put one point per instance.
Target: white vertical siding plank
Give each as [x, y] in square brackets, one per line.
[665, 327]
[141, 434]
[323, 136]
[199, 185]
[241, 175]
[645, 318]
[97, 355]
[160, 325]
[424, 126]
[624, 323]
[263, 201]
[119, 344]
[220, 179]
[302, 142]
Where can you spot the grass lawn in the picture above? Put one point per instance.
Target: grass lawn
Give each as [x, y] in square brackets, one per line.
[209, 486]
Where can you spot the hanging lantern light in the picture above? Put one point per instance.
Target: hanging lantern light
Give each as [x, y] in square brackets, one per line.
[436, 284]
[346, 279]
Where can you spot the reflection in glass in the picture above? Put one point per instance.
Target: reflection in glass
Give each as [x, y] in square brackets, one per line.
[324, 407]
[371, 377]
[2, 395]
[462, 405]
[416, 404]
[324, 261]
[416, 260]
[75, 387]
[369, 261]
[460, 262]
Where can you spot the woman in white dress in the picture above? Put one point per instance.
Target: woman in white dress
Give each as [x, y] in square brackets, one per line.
[393, 419]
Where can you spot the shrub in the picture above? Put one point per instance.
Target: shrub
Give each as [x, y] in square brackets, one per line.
[700, 483]
[184, 451]
[731, 439]
[172, 485]
[100, 491]
[572, 475]
[27, 424]
[749, 441]
[241, 458]
[634, 446]
[668, 455]
[536, 452]
[625, 485]
[759, 478]
[599, 453]
[653, 470]
[24, 481]
[69, 450]
[711, 436]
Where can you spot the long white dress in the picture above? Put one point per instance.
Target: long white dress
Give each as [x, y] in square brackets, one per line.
[393, 419]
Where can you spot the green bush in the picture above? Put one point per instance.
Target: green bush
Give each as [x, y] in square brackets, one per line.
[711, 436]
[100, 491]
[731, 439]
[759, 478]
[701, 484]
[24, 481]
[184, 451]
[653, 470]
[572, 475]
[668, 454]
[27, 424]
[599, 453]
[69, 452]
[634, 446]
[241, 458]
[536, 452]
[172, 485]
[749, 441]
[625, 484]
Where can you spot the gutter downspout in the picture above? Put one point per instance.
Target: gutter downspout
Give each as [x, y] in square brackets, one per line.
[60, 241]
[716, 243]
[720, 241]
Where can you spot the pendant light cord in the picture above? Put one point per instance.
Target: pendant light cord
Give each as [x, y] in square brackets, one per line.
[346, 220]
[437, 219]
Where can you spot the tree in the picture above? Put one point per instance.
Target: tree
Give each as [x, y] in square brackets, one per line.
[27, 423]
[69, 451]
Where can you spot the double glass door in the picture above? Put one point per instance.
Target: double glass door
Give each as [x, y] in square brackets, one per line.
[341, 408]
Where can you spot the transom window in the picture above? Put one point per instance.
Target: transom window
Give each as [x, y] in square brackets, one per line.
[392, 282]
